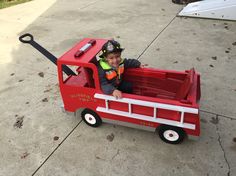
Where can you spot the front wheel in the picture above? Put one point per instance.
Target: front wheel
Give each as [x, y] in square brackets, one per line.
[171, 134]
[91, 118]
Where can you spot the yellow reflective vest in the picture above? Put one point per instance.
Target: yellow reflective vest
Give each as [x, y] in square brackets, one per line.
[111, 73]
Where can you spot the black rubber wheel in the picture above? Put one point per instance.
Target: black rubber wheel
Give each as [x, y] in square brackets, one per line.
[171, 134]
[91, 118]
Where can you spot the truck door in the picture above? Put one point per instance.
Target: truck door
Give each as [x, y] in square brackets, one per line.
[78, 90]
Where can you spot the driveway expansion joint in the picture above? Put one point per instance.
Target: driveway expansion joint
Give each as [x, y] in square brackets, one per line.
[57, 147]
[156, 37]
[224, 116]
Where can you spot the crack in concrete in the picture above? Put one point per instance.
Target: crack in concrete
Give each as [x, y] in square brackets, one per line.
[222, 148]
[56, 148]
[117, 153]
[90, 4]
[156, 37]
[227, 117]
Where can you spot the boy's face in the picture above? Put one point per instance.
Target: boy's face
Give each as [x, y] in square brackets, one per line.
[113, 59]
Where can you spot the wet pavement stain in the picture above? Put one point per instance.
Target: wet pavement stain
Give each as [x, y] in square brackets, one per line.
[214, 120]
[55, 138]
[97, 157]
[47, 90]
[45, 100]
[110, 137]
[79, 135]
[19, 122]
[41, 74]
[214, 57]
[24, 155]
[203, 121]
[198, 59]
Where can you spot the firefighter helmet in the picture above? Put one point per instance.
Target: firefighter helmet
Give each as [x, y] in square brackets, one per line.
[111, 46]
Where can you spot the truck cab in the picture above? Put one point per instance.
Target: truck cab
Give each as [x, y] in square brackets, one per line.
[78, 90]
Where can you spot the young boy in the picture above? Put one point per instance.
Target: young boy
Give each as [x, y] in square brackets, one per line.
[111, 68]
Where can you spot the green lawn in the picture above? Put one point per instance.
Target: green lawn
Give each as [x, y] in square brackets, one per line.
[8, 3]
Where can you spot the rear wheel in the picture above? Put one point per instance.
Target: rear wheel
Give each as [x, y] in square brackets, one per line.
[91, 118]
[171, 134]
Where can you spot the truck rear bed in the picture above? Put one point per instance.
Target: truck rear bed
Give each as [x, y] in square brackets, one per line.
[181, 86]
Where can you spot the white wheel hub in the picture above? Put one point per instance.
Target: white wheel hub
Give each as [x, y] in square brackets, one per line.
[171, 135]
[90, 119]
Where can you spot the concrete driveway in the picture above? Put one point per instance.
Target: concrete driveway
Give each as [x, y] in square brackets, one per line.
[37, 138]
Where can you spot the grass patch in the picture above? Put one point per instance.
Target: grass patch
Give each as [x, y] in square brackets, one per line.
[8, 3]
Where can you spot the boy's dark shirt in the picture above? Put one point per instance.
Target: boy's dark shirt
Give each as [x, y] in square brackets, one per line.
[108, 86]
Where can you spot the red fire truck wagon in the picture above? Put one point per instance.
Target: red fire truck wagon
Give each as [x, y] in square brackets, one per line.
[165, 101]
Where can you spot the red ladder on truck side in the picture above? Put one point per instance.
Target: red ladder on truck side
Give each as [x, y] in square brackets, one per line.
[154, 105]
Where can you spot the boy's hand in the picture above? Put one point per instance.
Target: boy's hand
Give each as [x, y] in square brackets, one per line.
[117, 94]
[143, 65]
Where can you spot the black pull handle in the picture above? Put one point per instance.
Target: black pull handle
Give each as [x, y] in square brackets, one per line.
[26, 38]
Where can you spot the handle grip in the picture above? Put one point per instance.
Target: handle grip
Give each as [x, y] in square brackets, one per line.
[26, 38]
